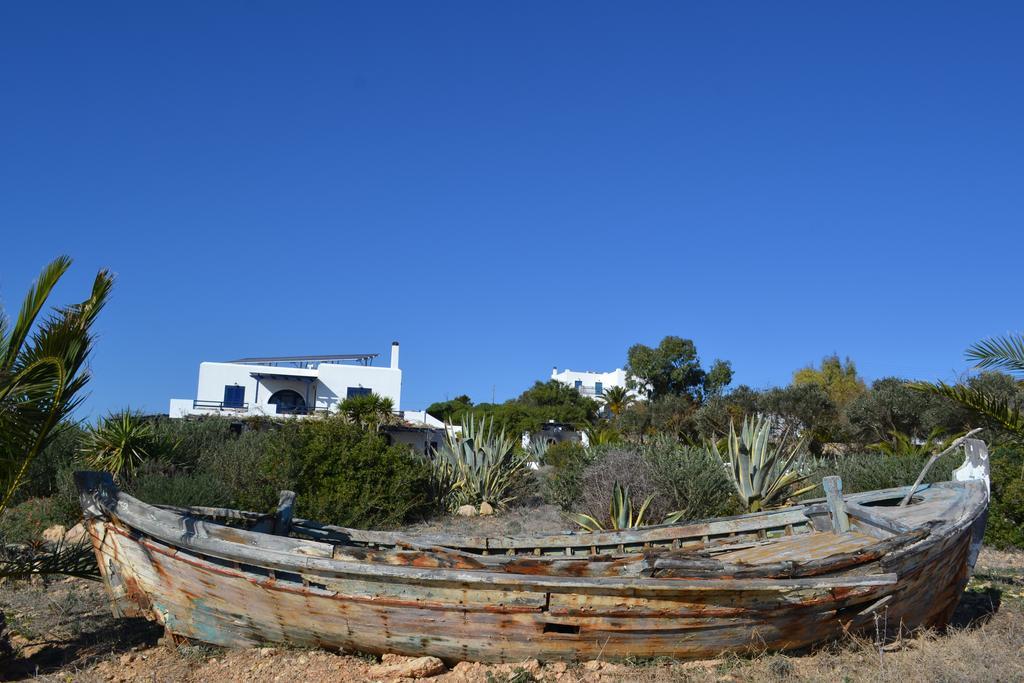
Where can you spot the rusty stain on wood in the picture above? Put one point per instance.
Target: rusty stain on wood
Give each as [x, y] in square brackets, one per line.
[778, 579]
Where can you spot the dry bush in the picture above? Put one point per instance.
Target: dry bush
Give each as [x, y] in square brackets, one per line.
[679, 477]
[630, 468]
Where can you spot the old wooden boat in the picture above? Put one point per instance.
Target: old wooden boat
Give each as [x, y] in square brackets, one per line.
[781, 579]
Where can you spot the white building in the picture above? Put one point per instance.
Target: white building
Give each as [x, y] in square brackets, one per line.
[292, 385]
[592, 384]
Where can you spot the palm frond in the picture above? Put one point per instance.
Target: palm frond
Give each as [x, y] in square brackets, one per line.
[69, 559]
[1002, 353]
[42, 371]
[31, 306]
[989, 409]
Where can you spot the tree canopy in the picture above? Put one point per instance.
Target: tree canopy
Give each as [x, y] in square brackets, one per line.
[674, 369]
[839, 379]
[543, 402]
[451, 411]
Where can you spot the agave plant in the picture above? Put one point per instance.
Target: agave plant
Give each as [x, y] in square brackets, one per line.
[477, 465]
[620, 513]
[536, 448]
[602, 435]
[763, 474]
[119, 444]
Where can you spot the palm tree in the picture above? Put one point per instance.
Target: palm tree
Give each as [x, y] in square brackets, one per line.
[42, 375]
[998, 353]
[369, 411]
[617, 399]
[119, 444]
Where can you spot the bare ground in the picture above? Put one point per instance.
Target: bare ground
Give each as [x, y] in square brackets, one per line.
[63, 631]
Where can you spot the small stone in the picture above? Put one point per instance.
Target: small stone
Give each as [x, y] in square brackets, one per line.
[55, 533]
[593, 665]
[486, 509]
[266, 651]
[466, 511]
[558, 667]
[408, 667]
[531, 666]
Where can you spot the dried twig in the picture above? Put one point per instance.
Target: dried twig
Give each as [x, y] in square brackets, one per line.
[931, 461]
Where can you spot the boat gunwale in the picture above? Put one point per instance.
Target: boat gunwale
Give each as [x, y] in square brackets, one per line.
[177, 530]
[486, 580]
[555, 540]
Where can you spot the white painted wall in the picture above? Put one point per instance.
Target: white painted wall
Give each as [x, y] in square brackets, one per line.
[421, 418]
[615, 378]
[331, 386]
[336, 379]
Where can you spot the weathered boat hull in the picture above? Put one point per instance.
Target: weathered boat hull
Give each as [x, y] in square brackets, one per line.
[200, 586]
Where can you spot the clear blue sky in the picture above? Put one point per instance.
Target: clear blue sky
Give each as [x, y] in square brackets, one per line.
[504, 187]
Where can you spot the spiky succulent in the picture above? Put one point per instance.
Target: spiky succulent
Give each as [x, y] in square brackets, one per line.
[620, 513]
[477, 465]
[763, 474]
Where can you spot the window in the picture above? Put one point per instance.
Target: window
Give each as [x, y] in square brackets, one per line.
[578, 383]
[357, 391]
[599, 388]
[234, 396]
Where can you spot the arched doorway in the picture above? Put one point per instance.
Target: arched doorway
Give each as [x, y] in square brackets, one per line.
[288, 402]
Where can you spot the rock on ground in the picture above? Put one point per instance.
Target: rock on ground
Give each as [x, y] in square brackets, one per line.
[394, 666]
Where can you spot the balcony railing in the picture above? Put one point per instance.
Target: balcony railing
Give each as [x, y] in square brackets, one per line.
[219, 405]
[244, 408]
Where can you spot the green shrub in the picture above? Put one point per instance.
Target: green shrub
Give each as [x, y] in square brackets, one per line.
[65, 498]
[182, 489]
[1005, 528]
[184, 442]
[351, 477]
[564, 454]
[561, 484]
[255, 465]
[26, 522]
[873, 471]
[41, 480]
[680, 479]
[691, 482]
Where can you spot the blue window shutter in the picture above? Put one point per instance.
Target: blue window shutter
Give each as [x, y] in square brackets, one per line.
[234, 396]
[599, 388]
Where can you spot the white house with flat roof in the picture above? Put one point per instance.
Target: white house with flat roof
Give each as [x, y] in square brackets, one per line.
[289, 385]
[593, 384]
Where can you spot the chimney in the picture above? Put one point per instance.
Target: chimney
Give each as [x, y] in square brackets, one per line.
[394, 355]
[554, 371]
